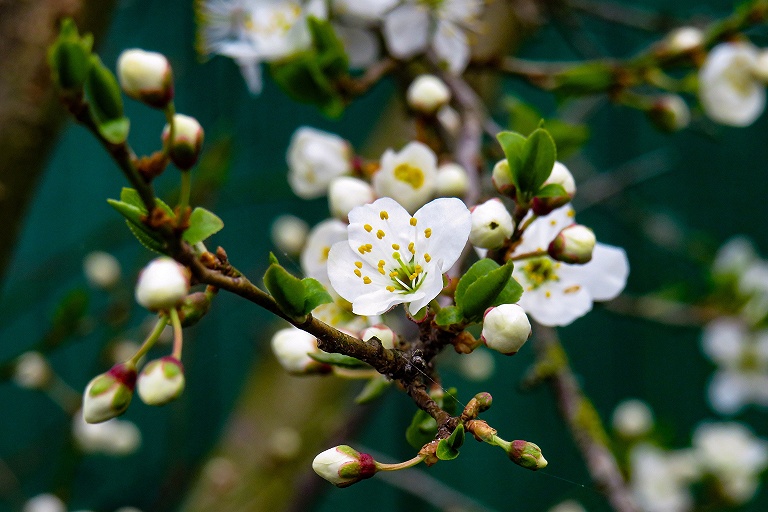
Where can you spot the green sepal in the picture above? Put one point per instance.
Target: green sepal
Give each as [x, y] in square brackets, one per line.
[202, 224]
[341, 360]
[69, 59]
[106, 102]
[448, 449]
[315, 294]
[448, 316]
[552, 190]
[422, 429]
[484, 285]
[286, 289]
[373, 389]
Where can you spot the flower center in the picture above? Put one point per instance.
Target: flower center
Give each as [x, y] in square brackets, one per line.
[432, 4]
[410, 174]
[739, 77]
[540, 270]
[407, 277]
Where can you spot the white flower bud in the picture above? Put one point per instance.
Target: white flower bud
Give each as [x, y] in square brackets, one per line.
[560, 175]
[32, 371]
[670, 113]
[346, 193]
[452, 180]
[146, 76]
[102, 270]
[491, 225]
[506, 328]
[760, 67]
[407, 176]
[289, 233]
[344, 466]
[109, 394]
[684, 40]
[291, 347]
[632, 419]
[113, 437]
[45, 503]
[315, 158]
[386, 336]
[574, 244]
[502, 178]
[450, 120]
[187, 141]
[427, 94]
[285, 443]
[161, 381]
[162, 284]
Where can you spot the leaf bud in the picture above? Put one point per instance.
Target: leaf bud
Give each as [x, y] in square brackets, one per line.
[451, 180]
[502, 178]
[527, 455]
[506, 328]
[344, 466]
[194, 307]
[292, 347]
[109, 394]
[427, 94]
[346, 193]
[69, 60]
[187, 141]
[560, 175]
[161, 381]
[32, 371]
[482, 431]
[162, 284]
[491, 224]
[669, 113]
[146, 77]
[386, 336]
[574, 244]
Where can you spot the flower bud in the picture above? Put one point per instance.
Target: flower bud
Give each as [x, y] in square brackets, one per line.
[346, 193]
[194, 307]
[502, 178]
[109, 394]
[484, 401]
[574, 244]
[102, 270]
[386, 336]
[560, 175]
[113, 437]
[452, 180]
[632, 419]
[683, 40]
[289, 233]
[292, 347]
[527, 455]
[506, 328]
[482, 431]
[161, 381]
[32, 371]
[162, 284]
[44, 503]
[187, 141]
[491, 225]
[760, 66]
[146, 76]
[427, 94]
[669, 113]
[344, 466]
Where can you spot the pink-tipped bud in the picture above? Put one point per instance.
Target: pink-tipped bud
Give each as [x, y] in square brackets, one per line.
[161, 381]
[526, 455]
[386, 336]
[146, 77]
[109, 394]
[187, 141]
[506, 328]
[344, 466]
[574, 244]
[162, 284]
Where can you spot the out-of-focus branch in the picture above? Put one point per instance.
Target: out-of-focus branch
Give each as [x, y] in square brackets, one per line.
[581, 418]
[30, 115]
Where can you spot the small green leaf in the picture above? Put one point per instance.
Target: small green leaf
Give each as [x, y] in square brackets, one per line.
[132, 213]
[422, 429]
[69, 59]
[315, 294]
[448, 449]
[287, 290]
[202, 224]
[134, 216]
[510, 294]
[106, 102]
[373, 390]
[482, 293]
[132, 197]
[552, 190]
[536, 162]
[477, 270]
[338, 360]
[449, 315]
[513, 145]
[145, 239]
[330, 50]
[115, 130]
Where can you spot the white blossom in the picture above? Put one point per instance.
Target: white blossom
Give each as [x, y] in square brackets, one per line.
[659, 481]
[145, 76]
[32, 371]
[408, 176]
[452, 180]
[343, 466]
[315, 158]
[102, 270]
[187, 141]
[292, 346]
[161, 381]
[346, 193]
[162, 284]
[289, 233]
[392, 258]
[384, 334]
[44, 503]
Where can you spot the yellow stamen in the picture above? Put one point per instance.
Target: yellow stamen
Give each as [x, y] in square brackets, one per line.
[413, 221]
[368, 228]
[384, 215]
[382, 263]
[396, 255]
[410, 248]
[358, 273]
[359, 264]
[428, 232]
[427, 257]
[380, 234]
[382, 271]
[396, 247]
[367, 280]
[390, 288]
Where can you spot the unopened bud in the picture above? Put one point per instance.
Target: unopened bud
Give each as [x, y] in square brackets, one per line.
[491, 225]
[101, 269]
[346, 193]
[344, 466]
[506, 328]
[452, 180]
[292, 347]
[193, 308]
[386, 336]
[187, 141]
[527, 455]
[482, 431]
[560, 175]
[574, 244]
[632, 418]
[162, 284]
[760, 66]
[484, 401]
[428, 94]
[289, 233]
[44, 503]
[113, 437]
[683, 40]
[669, 113]
[161, 381]
[32, 371]
[146, 77]
[109, 394]
[502, 178]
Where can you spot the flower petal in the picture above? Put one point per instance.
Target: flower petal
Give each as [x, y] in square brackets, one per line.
[450, 223]
[544, 229]
[406, 30]
[451, 46]
[605, 276]
[552, 304]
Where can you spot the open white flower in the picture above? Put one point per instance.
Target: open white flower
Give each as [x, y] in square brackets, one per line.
[557, 293]
[728, 89]
[392, 258]
[660, 479]
[409, 176]
[315, 158]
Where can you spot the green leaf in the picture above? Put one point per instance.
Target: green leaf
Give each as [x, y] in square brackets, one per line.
[536, 162]
[115, 130]
[523, 118]
[331, 55]
[373, 390]
[315, 294]
[106, 101]
[132, 213]
[449, 315]
[422, 429]
[482, 293]
[477, 270]
[134, 216]
[552, 190]
[69, 59]
[513, 145]
[510, 294]
[153, 244]
[448, 449]
[338, 360]
[202, 224]
[132, 197]
[287, 290]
